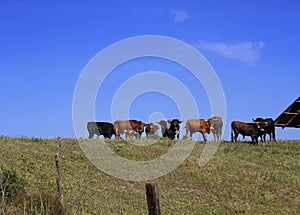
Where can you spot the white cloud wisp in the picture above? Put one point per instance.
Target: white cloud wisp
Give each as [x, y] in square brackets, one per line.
[248, 52]
[179, 16]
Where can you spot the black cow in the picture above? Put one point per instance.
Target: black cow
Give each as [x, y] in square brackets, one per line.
[100, 128]
[254, 130]
[172, 130]
[268, 129]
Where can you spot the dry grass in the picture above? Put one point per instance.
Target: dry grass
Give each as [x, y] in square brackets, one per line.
[240, 179]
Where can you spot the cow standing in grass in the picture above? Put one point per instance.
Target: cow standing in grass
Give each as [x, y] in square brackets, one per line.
[172, 130]
[268, 129]
[151, 130]
[216, 127]
[197, 125]
[129, 127]
[254, 130]
[100, 128]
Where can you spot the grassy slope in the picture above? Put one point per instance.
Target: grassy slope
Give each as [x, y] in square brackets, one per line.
[241, 178]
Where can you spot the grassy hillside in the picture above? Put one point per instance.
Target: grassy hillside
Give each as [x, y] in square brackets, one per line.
[240, 179]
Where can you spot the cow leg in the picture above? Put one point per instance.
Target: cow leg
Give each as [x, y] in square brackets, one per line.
[254, 140]
[186, 132]
[234, 136]
[91, 135]
[273, 135]
[204, 136]
[117, 134]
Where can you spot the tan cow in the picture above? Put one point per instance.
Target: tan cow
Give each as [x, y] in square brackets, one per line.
[197, 125]
[216, 127]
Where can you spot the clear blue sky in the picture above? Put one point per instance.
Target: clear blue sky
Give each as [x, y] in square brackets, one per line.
[253, 46]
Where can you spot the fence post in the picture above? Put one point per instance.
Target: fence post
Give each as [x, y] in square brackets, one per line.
[152, 199]
[59, 194]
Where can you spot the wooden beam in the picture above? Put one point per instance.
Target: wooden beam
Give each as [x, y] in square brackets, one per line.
[289, 113]
[291, 119]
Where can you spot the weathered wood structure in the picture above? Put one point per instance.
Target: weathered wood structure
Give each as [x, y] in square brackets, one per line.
[290, 117]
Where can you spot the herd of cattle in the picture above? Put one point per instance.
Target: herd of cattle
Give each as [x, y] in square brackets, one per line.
[171, 128]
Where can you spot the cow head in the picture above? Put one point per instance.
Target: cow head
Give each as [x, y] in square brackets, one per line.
[140, 127]
[264, 122]
[163, 124]
[155, 129]
[261, 125]
[175, 125]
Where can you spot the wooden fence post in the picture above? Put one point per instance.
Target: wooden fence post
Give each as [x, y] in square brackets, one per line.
[152, 199]
[59, 194]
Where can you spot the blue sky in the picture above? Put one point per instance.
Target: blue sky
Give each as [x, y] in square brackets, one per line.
[253, 46]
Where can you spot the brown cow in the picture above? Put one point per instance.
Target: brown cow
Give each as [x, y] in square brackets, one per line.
[129, 127]
[216, 127]
[254, 130]
[197, 125]
[151, 130]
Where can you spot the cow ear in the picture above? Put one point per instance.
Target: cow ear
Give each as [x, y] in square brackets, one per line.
[180, 121]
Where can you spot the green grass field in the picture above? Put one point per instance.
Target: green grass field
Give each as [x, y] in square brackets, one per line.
[240, 179]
